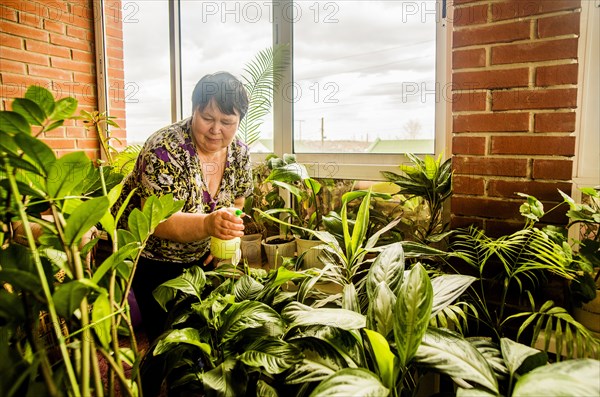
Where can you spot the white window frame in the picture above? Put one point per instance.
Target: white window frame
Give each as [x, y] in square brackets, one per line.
[356, 166]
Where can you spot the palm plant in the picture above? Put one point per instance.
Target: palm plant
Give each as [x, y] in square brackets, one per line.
[431, 180]
[261, 77]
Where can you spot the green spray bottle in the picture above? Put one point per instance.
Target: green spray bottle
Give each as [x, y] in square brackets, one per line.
[226, 249]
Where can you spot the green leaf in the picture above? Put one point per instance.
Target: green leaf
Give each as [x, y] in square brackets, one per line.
[516, 354]
[246, 315]
[452, 355]
[246, 288]
[139, 225]
[351, 382]
[42, 97]
[11, 308]
[388, 268]
[350, 298]
[191, 282]
[447, 288]
[568, 378]
[383, 357]
[321, 359]
[83, 218]
[67, 174]
[14, 123]
[380, 312]
[229, 379]
[275, 356]
[359, 231]
[301, 315]
[30, 110]
[68, 297]
[36, 150]
[64, 108]
[263, 389]
[289, 173]
[101, 312]
[125, 252]
[21, 279]
[187, 336]
[412, 313]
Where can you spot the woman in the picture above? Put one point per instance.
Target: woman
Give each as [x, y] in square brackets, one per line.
[199, 161]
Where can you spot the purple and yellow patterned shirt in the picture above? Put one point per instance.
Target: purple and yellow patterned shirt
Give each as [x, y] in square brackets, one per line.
[168, 163]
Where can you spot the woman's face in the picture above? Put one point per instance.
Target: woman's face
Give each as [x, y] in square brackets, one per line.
[213, 129]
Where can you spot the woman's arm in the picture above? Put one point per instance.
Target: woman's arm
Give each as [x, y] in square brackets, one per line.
[185, 227]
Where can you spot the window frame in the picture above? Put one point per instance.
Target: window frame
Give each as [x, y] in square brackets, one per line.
[327, 165]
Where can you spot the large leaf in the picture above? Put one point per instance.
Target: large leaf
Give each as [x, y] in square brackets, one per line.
[274, 355]
[83, 218]
[447, 288]
[229, 379]
[411, 313]
[246, 288]
[380, 312]
[67, 174]
[187, 336]
[516, 354]
[21, 279]
[361, 225]
[30, 110]
[246, 315]
[125, 252]
[288, 173]
[350, 298]
[567, 378]
[452, 355]
[64, 108]
[68, 297]
[351, 382]
[321, 359]
[191, 282]
[299, 315]
[40, 154]
[383, 357]
[42, 97]
[139, 225]
[388, 267]
[101, 317]
[13, 123]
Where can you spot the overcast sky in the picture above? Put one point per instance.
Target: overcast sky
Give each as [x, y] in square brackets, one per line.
[353, 60]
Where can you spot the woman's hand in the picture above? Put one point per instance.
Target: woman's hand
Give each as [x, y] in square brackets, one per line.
[224, 224]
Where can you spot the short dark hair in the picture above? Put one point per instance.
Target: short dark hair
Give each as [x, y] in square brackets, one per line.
[227, 91]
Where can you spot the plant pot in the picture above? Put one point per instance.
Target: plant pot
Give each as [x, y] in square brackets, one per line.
[252, 249]
[589, 314]
[276, 247]
[310, 251]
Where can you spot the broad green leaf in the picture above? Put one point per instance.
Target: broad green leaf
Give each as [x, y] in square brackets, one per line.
[153, 210]
[567, 378]
[380, 312]
[13, 123]
[101, 312]
[191, 282]
[30, 110]
[474, 392]
[383, 357]
[139, 225]
[188, 336]
[516, 354]
[351, 382]
[246, 288]
[83, 218]
[249, 314]
[67, 174]
[288, 173]
[447, 288]
[229, 379]
[321, 359]
[274, 355]
[40, 154]
[412, 313]
[452, 355]
[300, 315]
[68, 297]
[388, 267]
[42, 97]
[22, 279]
[359, 231]
[263, 389]
[64, 108]
[350, 298]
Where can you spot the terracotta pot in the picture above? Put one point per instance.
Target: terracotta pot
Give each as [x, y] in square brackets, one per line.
[311, 257]
[276, 247]
[252, 249]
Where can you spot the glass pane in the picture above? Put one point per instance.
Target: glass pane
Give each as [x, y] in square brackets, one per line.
[364, 76]
[146, 53]
[224, 36]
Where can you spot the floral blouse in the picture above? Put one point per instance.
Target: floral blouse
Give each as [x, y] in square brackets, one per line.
[168, 163]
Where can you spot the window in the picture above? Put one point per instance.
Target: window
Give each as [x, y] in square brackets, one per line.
[365, 85]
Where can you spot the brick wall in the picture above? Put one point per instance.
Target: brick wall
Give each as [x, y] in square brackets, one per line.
[514, 72]
[51, 44]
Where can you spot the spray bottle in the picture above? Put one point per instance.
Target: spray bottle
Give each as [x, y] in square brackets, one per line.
[226, 249]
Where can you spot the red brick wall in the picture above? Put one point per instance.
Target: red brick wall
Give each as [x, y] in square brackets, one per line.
[514, 72]
[51, 44]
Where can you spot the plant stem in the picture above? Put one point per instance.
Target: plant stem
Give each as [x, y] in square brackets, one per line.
[86, 338]
[121, 376]
[43, 280]
[98, 385]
